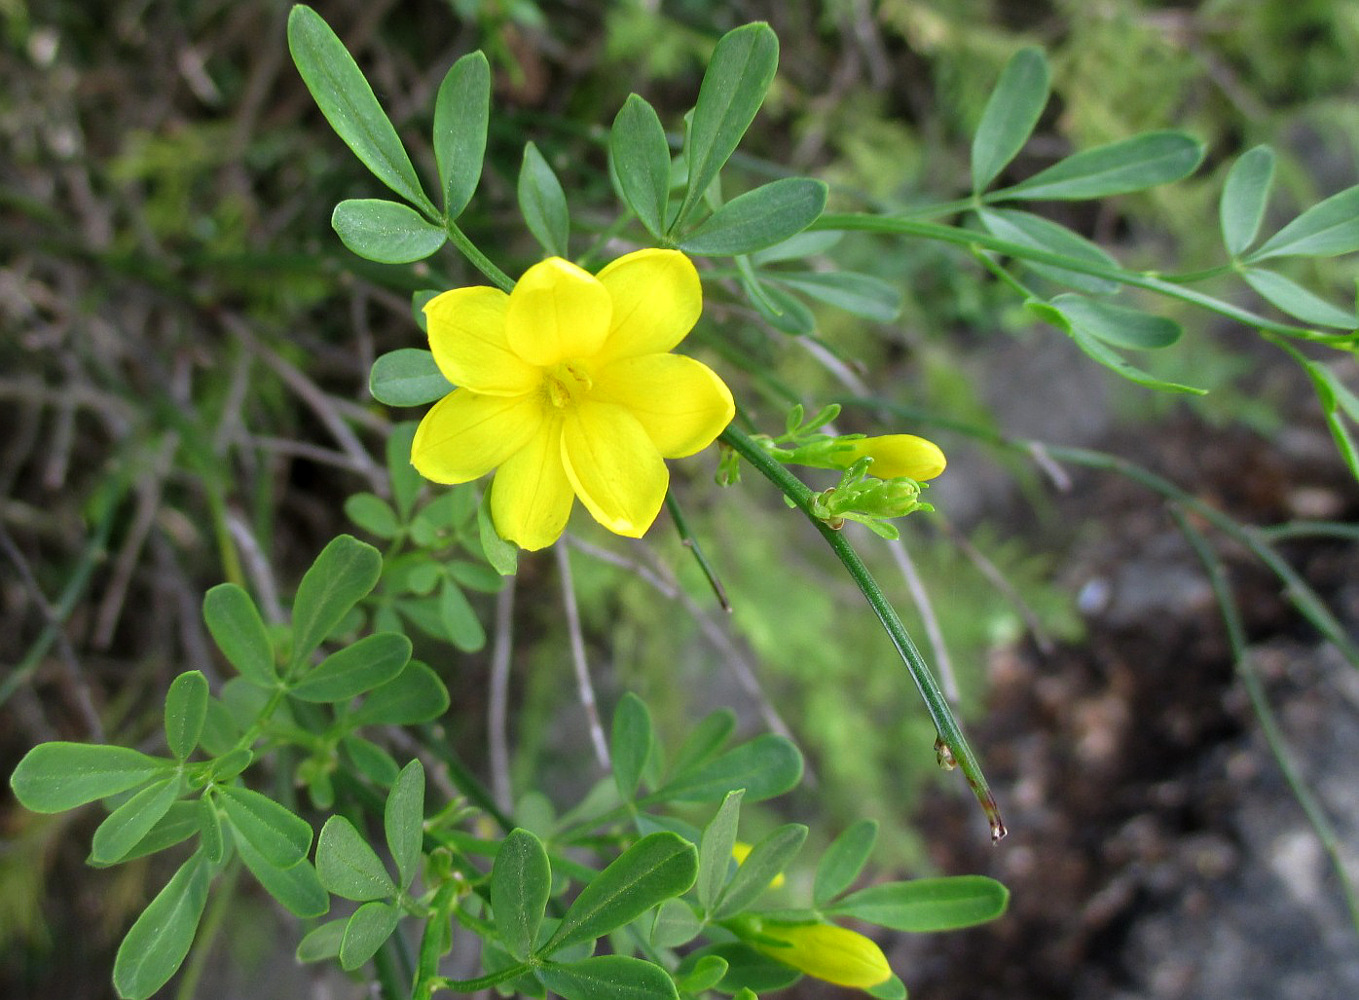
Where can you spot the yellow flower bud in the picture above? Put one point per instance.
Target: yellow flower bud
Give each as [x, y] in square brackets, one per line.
[824, 951]
[741, 850]
[895, 455]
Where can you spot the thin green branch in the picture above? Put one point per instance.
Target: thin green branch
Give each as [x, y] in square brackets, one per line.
[950, 733]
[1264, 712]
[477, 259]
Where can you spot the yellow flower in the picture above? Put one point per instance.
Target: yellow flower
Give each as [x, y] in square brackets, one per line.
[894, 455]
[827, 952]
[741, 850]
[567, 388]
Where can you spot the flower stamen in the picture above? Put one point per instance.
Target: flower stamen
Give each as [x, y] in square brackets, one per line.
[566, 383]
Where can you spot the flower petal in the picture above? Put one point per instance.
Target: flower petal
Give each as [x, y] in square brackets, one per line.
[531, 497]
[680, 402]
[465, 435]
[557, 312]
[896, 455]
[467, 337]
[613, 467]
[657, 299]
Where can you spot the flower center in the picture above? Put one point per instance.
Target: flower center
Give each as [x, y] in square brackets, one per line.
[567, 383]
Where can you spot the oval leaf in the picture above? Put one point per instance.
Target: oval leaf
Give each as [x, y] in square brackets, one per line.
[1031, 230]
[927, 904]
[297, 886]
[134, 819]
[414, 695]
[280, 835]
[345, 571]
[323, 942]
[236, 627]
[407, 376]
[186, 709]
[54, 777]
[1118, 325]
[768, 765]
[1290, 297]
[1011, 113]
[675, 924]
[1326, 229]
[760, 218]
[630, 744]
[348, 866]
[641, 161]
[859, 294]
[372, 661]
[658, 867]
[766, 860]
[1244, 195]
[345, 98]
[617, 977]
[385, 231]
[714, 851]
[542, 202]
[521, 880]
[370, 926]
[843, 861]
[462, 111]
[739, 73]
[1128, 165]
[403, 820]
[159, 940]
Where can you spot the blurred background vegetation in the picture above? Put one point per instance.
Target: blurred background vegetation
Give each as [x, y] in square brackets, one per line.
[186, 345]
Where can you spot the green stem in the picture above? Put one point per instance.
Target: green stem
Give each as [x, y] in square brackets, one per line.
[473, 985]
[477, 259]
[1269, 725]
[851, 221]
[691, 543]
[950, 733]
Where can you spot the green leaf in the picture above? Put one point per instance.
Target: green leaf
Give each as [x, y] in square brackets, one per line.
[186, 709]
[707, 972]
[403, 820]
[348, 866]
[220, 732]
[521, 881]
[1117, 325]
[1337, 402]
[656, 868]
[891, 989]
[1035, 231]
[281, 836]
[372, 661]
[843, 861]
[641, 160]
[784, 311]
[322, 943]
[1327, 229]
[212, 842]
[54, 777]
[502, 555]
[369, 927]
[239, 632]
[406, 482]
[373, 514]
[1010, 115]
[460, 622]
[631, 743]
[766, 860]
[342, 575]
[542, 202]
[739, 73]
[414, 695]
[134, 819]
[1290, 297]
[760, 218]
[858, 294]
[179, 823]
[345, 98]
[768, 765]
[1244, 196]
[407, 376]
[1105, 355]
[804, 244]
[373, 762]
[746, 968]
[714, 851]
[618, 977]
[705, 740]
[927, 904]
[296, 886]
[675, 924]
[462, 111]
[159, 940]
[385, 231]
[1128, 165]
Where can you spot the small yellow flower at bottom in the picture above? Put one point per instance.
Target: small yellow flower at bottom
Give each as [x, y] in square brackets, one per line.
[824, 951]
[567, 388]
